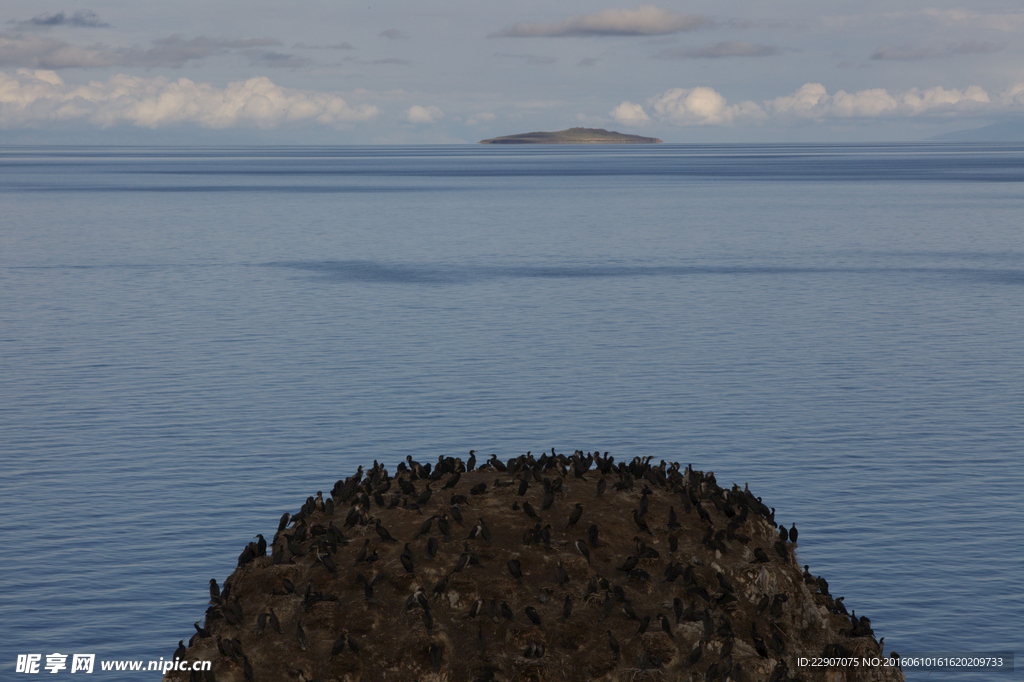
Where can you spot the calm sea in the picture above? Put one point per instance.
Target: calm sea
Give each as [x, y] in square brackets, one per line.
[194, 340]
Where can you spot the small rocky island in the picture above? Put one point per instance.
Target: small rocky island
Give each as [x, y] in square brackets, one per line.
[573, 136]
[540, 568]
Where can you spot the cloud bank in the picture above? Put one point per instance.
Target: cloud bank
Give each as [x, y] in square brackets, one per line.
[705, 106]
[646, 20]
[83, 18]
[729, 48]
[908, 53]
[41, 52]
[33, 97]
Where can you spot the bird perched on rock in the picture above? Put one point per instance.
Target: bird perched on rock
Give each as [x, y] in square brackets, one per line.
[516, 569]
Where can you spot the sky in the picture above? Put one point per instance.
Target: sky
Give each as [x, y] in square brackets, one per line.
[453, 71]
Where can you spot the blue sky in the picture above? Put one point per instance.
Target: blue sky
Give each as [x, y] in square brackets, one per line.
[441, 72]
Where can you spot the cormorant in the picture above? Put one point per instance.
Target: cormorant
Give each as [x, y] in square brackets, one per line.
[613, 644]
[581, 547]
[181, 651]
[574, 517]
[641, 524]
[516, 569]
[532, 614]
[560, 575]
[792, 533]
[567, 608]
[435, 657]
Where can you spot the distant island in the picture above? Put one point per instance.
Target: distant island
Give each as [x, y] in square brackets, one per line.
[573, 136]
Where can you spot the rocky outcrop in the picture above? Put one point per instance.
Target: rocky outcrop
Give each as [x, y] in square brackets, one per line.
[573, 136]
[570, 568]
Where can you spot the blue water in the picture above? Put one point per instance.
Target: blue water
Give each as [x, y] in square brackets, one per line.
[194, 340]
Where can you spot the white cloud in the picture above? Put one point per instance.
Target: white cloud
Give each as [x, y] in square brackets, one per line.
[812, 101]
[32, 97]
[418, 114]
[646, 20]
[706, 106]
[702, 106]
[628, 113]
[482, 117]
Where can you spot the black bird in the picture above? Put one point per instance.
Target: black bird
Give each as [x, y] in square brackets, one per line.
[481, 642]
[567, 608]
[601, 485]
[284, 522]
[783, 534]
[673, 522]
[574, 517]
[677, 606]
[274, 622]
[641, 524]
[428, 621]
[361, 556]
[456, 514]
[435, 654]
[666, 626]
[592, 535]
[406, 559]
[630, 563]
[560, 575]
[431, 547]
[425, 527]
[673, 543]
[524, 485]
[695, 655]
[452, 481]
[300, 635]
[506, 611]
[549, 499]
[442, 525]
[581, 547]
[642, 628]
[261, 546]
[475, 609]
[181, 651]
[528, 508]
[338, 647]
[516, 569]
[532, 614]
[383, 533]
[760, 556]
[471, 462]
[613, 643]
[214, 591]
[792, 533]
[478, 489]
[759, 646]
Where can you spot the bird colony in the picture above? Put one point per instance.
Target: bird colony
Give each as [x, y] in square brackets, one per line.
[554, 567]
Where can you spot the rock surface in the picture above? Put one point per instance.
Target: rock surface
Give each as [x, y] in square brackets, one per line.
[685, 580]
